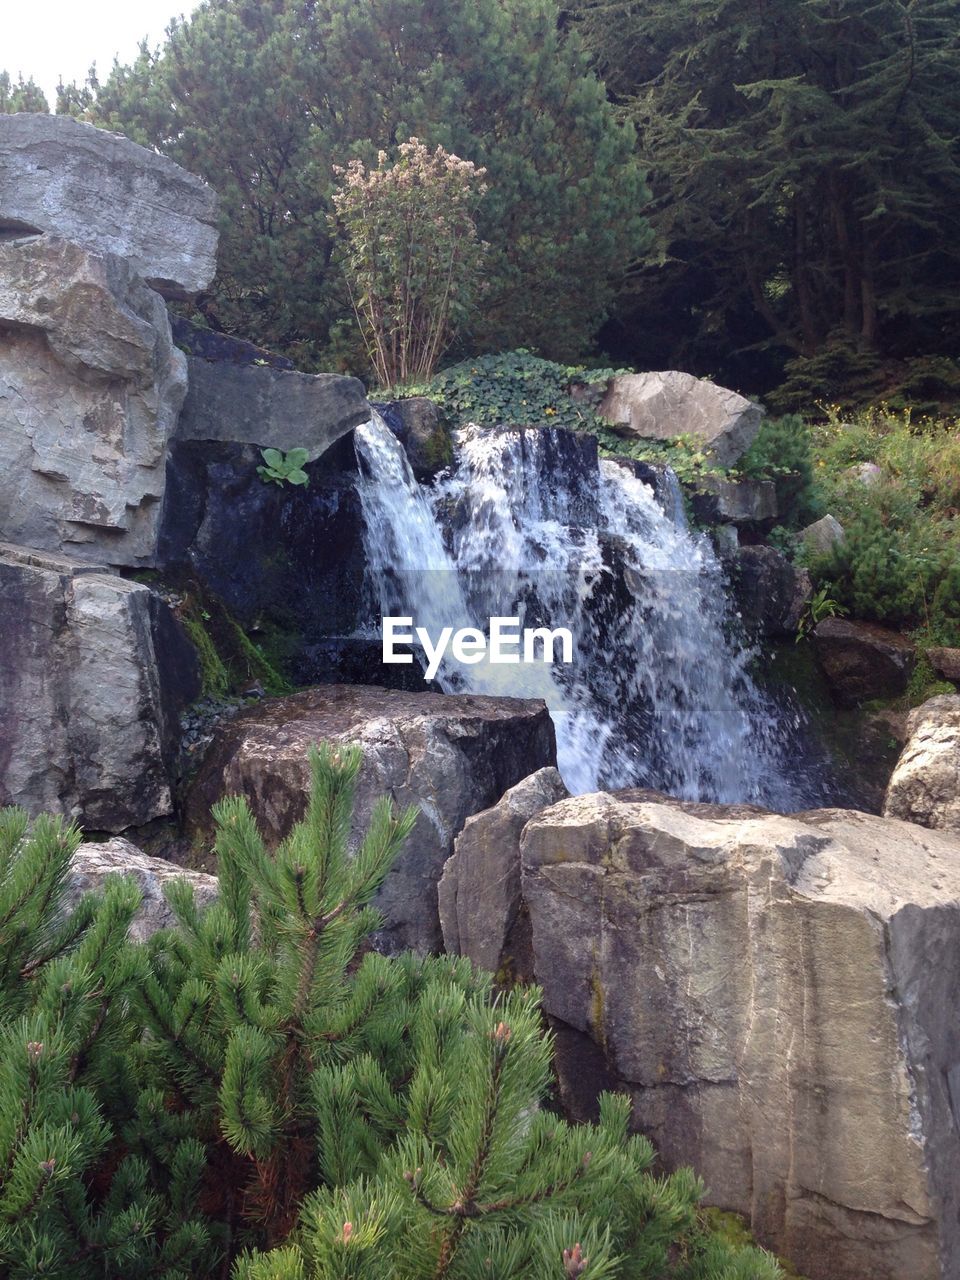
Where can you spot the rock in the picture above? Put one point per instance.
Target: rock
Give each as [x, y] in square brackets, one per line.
[418, 425]
[90, 389]
[660, 406]
[479, 891]
[862, 661]
[94, 673]
[108, 195]
[286, 559]
[769, 591]
[207, 344]
[93, 862]
[269, 407]
[717, 499]
[925, 787]
[778, 997]
[453, 755]
[946, 663]
[821, 536]
[867, 474]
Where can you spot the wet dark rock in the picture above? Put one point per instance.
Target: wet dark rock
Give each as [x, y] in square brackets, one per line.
[207, 344]
[769, 591]
[862, 661]
[419, 426]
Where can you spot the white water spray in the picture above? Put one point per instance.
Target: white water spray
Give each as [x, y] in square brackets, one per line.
[529, 525]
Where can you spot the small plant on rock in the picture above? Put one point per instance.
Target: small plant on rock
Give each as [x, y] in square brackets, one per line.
[283, 468]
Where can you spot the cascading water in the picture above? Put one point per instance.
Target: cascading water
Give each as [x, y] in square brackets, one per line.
[529, 524]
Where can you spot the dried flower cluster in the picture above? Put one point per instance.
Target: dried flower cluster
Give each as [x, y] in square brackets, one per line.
[413, 257]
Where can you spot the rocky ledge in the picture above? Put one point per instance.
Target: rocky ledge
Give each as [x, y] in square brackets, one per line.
[452, 755]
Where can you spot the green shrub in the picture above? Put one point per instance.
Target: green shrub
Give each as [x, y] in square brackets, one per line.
[515, 389]
[257, 1090]
[782, 453]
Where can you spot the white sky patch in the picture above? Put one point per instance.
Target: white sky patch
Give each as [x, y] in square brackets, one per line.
[50, 39]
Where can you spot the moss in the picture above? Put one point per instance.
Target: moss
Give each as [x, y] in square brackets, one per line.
[214, 676]
[438, 450]
[734, 1232]
[229, 659]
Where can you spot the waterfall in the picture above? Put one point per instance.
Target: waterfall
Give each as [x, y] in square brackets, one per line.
[529, 523]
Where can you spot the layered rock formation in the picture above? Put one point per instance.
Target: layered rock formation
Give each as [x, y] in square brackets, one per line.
[110, 196]
[777, 995]
[93, 675]
[660, 406]
[450, 755]
[90, 389]
[925, 787]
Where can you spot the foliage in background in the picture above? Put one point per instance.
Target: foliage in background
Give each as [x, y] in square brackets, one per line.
[263, 99]
[412, 257]
[24, 95]
[805, 167]
[782, 453]
[893, 482]
[255, 1092]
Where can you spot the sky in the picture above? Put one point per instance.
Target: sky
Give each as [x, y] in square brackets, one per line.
[48, 39]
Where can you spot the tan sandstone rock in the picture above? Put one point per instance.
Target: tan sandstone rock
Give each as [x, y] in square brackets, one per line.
[479, 892]
[779, 997]
[94, 861]
[925, 787]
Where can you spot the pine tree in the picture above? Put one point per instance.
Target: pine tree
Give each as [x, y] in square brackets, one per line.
[805, 169]
[73, 1203]
[25, 95]
[263, 97]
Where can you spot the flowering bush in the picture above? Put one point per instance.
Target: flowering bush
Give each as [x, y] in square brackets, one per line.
[413, 258]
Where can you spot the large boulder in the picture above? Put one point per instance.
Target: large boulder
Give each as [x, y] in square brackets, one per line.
[90, 389]
[419, 426]
[259, 404]
[770, 592]
[778, 997]
[862, 661]
[660, 406]
[452, 755]
[107, 194]
[945, 662]
[479, 892]
[93, 675]
[925, 787]
[94, 862]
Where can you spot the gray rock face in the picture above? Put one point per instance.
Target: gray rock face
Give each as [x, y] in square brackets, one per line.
[451, 755]
[269, 407]
[93, 862]
[778, 996]
[659, 406]
[735, 501]
[925, 787]
[107, 194]
[90, 389]
[770, 591]
[862, 661]
[88, 717]
[479, 892]
[823, 534]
